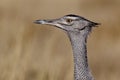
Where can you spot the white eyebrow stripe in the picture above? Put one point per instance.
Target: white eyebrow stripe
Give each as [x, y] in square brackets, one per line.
[72, 17]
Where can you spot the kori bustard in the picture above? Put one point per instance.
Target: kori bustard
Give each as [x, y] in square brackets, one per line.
[77, 29]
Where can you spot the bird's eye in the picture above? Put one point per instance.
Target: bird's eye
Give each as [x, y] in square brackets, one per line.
[69, 20]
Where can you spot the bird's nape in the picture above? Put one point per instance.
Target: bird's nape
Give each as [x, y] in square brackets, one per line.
[94, 24]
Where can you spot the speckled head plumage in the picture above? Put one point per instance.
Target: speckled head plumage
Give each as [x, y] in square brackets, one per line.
[69, 22]
[77, 28]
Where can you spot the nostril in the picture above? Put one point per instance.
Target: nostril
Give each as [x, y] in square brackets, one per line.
[49, 21]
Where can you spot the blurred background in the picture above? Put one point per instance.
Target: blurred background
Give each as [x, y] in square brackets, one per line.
[37, 52]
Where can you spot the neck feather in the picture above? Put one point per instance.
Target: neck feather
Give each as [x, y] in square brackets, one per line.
[81, 68]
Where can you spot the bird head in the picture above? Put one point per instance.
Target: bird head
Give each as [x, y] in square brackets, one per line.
[69, 23]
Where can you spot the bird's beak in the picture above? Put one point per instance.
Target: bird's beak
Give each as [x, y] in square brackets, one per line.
[53, 22]
[49, 22]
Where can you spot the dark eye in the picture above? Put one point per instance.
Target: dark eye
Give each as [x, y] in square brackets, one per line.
[69, 20]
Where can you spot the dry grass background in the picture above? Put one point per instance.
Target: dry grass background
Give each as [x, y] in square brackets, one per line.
[37, 52]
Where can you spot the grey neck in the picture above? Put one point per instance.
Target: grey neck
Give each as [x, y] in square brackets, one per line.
[81, 68]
